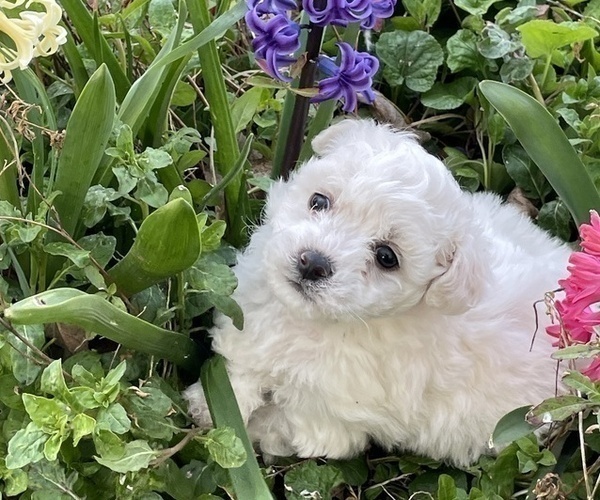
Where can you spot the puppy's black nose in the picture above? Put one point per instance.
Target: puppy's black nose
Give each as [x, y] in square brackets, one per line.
[313, 265]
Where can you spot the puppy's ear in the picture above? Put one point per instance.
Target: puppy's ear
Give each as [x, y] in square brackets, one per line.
[336, 136]
[462, 283]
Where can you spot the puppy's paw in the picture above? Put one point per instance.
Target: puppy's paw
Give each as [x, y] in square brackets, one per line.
[197, 406]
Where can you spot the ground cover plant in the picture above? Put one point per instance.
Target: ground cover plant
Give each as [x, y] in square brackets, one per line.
[136, 142]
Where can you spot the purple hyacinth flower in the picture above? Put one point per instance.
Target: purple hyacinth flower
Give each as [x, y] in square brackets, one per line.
[340, 12]
[272, 6]
[380, 9]
[276, 38]
[354, 74]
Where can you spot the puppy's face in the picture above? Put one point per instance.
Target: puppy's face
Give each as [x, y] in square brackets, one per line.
[364, 229]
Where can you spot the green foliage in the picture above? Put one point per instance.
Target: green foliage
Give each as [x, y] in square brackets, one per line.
[134, 161]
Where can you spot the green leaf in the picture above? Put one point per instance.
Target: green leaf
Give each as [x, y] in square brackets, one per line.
[86, 136]
[53, 380]
[151, 409]
[425, 12]
[541, 36]
[496, 42]
[525, 172]
[581, 383]
[82, 425]
[114, 419]
[137, 455]
[211, 235]
[245, 107]
[48, 414]
[547, 145]
[449, 95]
[511, 427]
[558, 409]
[463, 52]
[355, 471]
[92, 312]
[25, 369]
[577, 351]
[475, 7]
[411, 57]
[168, 242]
[311, 480]
[80, 258]
[447, 489]
[26, 446]
[247, 479]
[555, 218]
[225, 447]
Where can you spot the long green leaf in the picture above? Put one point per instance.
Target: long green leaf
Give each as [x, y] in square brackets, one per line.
[86, 136]
[84, 26]
[9, 174]
[167, 243]
[248, 482]
[228, 149]
[547, 145]
[95, 314]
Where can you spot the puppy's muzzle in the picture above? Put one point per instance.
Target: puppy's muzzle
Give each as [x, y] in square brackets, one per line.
[314, 266]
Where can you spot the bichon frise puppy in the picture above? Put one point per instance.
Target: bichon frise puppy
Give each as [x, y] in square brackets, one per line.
[382, 303]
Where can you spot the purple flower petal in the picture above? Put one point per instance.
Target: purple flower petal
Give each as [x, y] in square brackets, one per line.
[353, 75]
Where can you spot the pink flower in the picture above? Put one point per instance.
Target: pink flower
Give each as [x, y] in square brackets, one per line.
[590, 234]
[579, 311]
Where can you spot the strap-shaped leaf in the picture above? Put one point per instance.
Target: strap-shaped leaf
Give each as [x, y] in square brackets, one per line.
[167, 243]
[547, 145]
[95, 314]
[87, 134]
[247, 480]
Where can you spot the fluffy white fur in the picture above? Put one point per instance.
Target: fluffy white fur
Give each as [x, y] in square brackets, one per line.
[425, 357]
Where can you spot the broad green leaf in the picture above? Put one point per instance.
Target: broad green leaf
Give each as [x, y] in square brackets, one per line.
[542, 36]
[577, 351]
[355, 471]
[52, 445]
[92, 312]
[447, 489]
[211, 235]
[463, 52]
[245, 107]
[77, 256]
[225, 447]
[86, 136]
[496, 42]
[547, 146]
[25, 369]
[48, 414]
[114, 419]
[82, 425]
[52, 481]
[555, 218]
[247, 479]
[15, 481]
[312, 480]
[581, 383]
[168, 242]
[511, 427]
[53, 380]
[151, 408]
[525, 172]
[26, 446]
[108, 445]
[425, 12]
[475, 7]
[410, 58]
[449, 95]
[558, 409]
[137, 455]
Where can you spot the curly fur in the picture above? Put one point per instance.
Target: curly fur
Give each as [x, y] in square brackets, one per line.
[425, 357]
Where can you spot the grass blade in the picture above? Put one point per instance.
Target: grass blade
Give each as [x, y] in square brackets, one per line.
[95, 314]
[248, 482]
[547, 145]
[100, 49]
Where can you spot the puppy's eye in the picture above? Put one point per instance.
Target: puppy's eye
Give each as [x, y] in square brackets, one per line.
[319, 202]
[386, 257]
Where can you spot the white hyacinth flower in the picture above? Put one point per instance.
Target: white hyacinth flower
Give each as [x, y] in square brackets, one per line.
[34, 33]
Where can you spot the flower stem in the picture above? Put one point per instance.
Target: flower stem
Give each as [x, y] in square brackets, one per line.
[295, 137]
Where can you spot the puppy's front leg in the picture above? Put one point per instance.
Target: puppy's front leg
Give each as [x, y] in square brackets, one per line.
[246, 386]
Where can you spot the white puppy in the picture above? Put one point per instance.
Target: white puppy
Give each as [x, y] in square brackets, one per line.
[384, 304]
